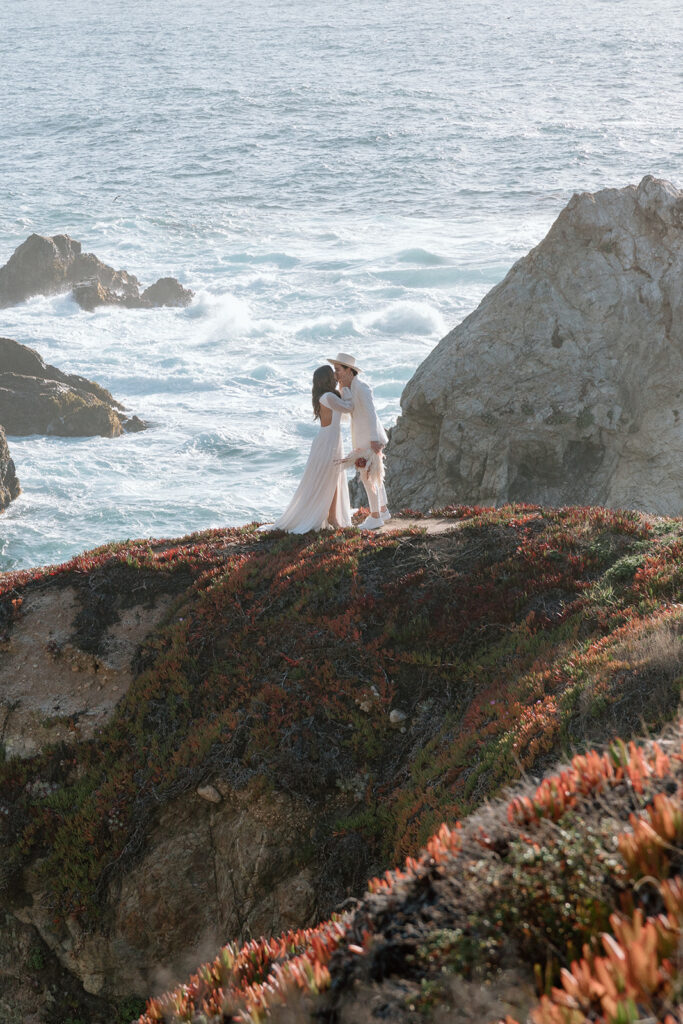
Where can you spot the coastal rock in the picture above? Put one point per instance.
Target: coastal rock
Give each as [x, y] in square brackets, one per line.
[139, 672]
[133, 424]
[208, 871]
[9, 485]
[90, 294]
[167, 291]
[48, 265]
[565, 386]
[29, 405]
[20, 359]
[36, 398]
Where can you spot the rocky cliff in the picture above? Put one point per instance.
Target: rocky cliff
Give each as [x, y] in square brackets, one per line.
[9, 484]
[226, 735]
[565, 385]
[48, 265]
[37, 398]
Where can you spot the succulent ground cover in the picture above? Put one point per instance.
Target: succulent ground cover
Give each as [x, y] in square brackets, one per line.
[565, 903]
[518, 637]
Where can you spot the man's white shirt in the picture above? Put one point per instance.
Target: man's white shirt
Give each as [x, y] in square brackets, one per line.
[365, 424]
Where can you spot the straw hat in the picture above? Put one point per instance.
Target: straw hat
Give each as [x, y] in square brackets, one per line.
[344, 359]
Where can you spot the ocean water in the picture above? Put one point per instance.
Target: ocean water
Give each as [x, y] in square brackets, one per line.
[351, 176]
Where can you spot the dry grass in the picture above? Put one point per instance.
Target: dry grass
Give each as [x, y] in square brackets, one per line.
[658, 650]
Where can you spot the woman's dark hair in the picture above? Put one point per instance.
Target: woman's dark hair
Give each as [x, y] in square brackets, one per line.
[323, 381]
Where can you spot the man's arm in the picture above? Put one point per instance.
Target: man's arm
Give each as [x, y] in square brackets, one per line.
[379, 437]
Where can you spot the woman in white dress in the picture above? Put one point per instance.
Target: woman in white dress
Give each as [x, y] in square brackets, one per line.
[322, 498]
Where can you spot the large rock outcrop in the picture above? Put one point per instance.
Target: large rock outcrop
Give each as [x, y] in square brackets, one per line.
[36, 398]
[565, 386]
[9, 485]
[48, 265]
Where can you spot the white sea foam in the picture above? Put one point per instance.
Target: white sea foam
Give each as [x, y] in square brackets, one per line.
[408, 318]
[328, 328]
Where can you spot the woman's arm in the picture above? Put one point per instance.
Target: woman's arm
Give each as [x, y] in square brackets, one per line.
[343, 404]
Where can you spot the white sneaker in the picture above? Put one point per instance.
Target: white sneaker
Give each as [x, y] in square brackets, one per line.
[371, 523]
[386, 515]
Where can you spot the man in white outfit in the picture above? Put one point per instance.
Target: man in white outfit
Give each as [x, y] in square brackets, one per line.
[366, 432]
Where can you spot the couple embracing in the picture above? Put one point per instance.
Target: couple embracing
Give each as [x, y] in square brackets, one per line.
[322, 498]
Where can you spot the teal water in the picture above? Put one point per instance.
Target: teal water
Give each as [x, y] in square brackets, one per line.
[325, 177]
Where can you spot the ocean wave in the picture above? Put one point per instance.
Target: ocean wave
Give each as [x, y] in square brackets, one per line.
[258, 374]
[62, 304]
[435, 276]
[147, 385]
[408, 318]
[328, 328]
[226, 316]
[278, 259]
[217, 444]
[389, 389]
[423, 256]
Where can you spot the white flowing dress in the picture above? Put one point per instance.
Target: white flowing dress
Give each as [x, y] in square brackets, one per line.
[323, 477]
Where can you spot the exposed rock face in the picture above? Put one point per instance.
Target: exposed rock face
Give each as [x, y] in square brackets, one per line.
[565, 386]
[53, 687]
[89, 294]
[230, 866]
[29, 405]
[209, 870]
[20, 359]
[36, 398]
[9, 485]
[48, 265]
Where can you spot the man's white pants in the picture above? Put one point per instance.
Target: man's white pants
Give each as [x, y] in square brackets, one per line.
[377, 495]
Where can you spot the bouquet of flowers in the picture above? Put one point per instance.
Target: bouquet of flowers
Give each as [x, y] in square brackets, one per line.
[367, 462]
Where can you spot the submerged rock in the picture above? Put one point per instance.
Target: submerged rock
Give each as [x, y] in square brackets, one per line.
[36, 398]
[9, 485]
[167, 291]
[133, 424]
[48, 265]
[565, 385]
